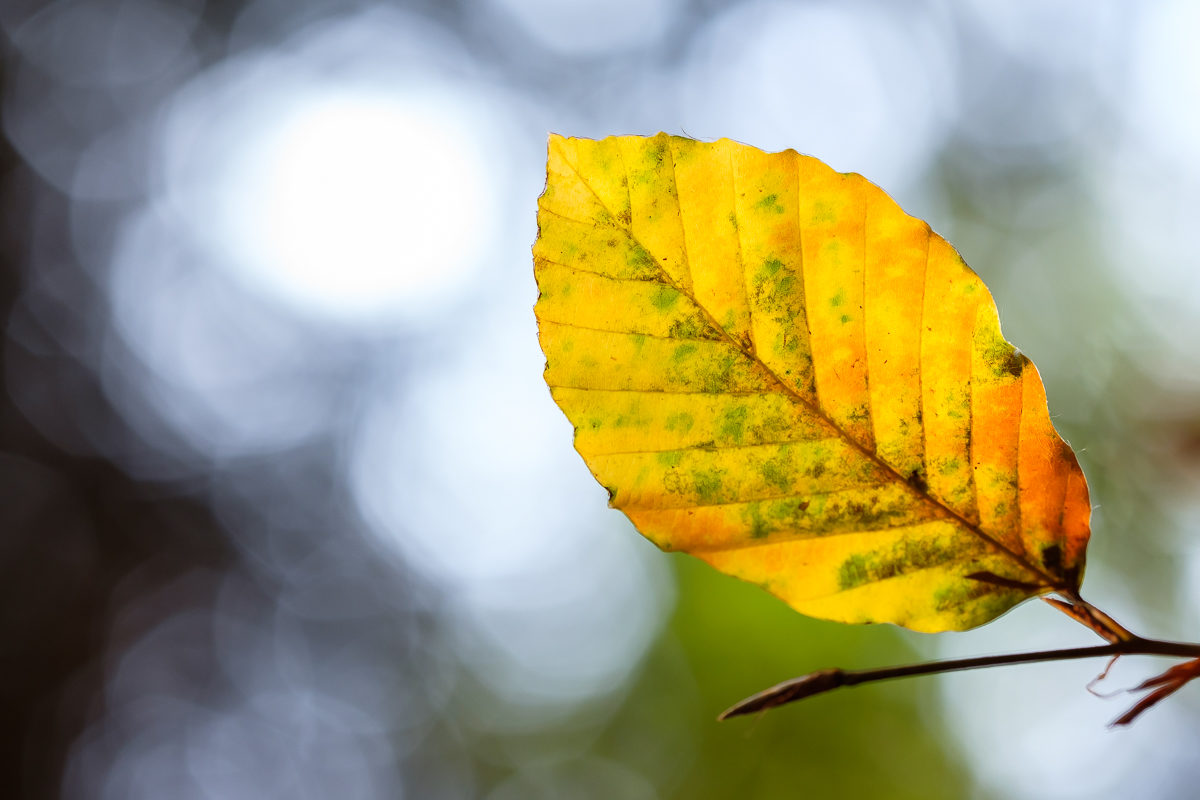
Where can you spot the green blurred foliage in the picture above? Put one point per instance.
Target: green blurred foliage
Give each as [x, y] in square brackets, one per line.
[728, 639]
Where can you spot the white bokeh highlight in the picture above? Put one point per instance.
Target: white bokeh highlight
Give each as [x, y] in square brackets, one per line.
[1149, 186]
[359, 203]
[335, 181]
[1164, 101]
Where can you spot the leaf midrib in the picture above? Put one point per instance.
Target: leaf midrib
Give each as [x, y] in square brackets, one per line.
[1050, 581]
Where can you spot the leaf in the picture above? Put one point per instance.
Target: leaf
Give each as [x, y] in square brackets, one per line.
[771, 366]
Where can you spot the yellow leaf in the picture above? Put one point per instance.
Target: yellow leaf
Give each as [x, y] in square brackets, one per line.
[771, 366]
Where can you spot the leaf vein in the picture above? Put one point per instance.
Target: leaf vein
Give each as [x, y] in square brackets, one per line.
[575, 326]
[718, 448]
[856, 487]
[870, 427]
[942, 508]
[722, 393]
[797, 539]
[745, 276]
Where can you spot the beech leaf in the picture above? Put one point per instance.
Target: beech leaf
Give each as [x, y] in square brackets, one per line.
[771, 366]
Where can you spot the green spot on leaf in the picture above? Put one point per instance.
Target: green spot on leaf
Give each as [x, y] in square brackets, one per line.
[769, 204]
[733, 424]
[681, 422]
[670, 458]
[683, 351]
[759, 528]
[664, 297]
[775, 472]
[708, 485]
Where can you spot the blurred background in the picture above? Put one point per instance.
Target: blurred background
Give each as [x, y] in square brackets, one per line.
[287, 510]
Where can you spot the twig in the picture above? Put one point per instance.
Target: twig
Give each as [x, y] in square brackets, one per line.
[826, 680]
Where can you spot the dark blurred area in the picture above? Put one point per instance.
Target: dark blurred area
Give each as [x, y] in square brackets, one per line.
[288, 511]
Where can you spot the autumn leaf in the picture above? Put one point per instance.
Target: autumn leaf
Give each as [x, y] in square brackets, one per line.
[772, 367]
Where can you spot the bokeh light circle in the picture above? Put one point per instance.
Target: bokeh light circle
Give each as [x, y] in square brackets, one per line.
[361, 197]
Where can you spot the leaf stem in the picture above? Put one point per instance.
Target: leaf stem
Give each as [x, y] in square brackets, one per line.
[828, 679]
[1092, 617]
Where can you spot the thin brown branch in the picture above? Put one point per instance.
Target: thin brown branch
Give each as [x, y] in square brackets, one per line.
[826, 680]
